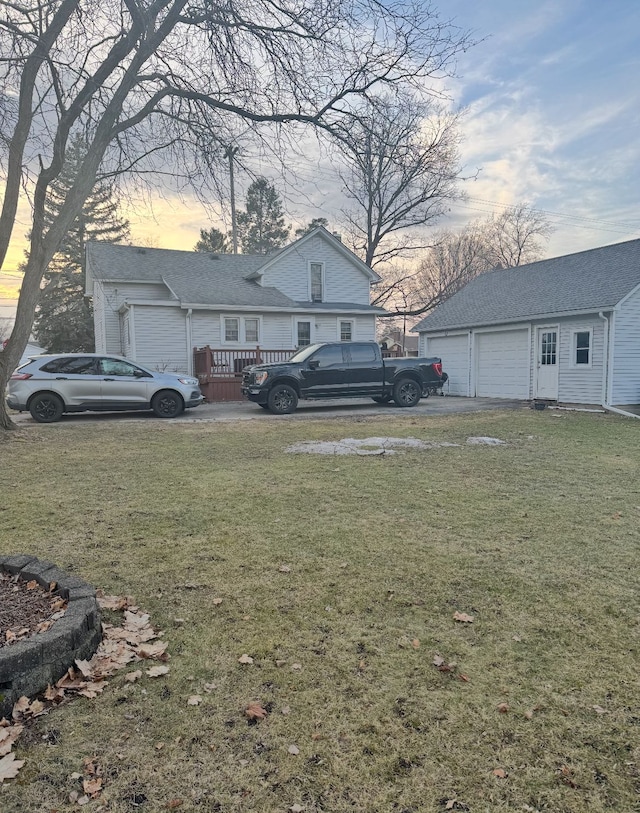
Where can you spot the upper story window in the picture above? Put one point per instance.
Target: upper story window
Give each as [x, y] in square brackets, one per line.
[316, 273]
[582, 347]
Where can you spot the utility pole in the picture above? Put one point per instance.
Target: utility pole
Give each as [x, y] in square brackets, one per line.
[230, 153]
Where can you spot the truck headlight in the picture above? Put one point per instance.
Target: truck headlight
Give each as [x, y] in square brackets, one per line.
[260, 377]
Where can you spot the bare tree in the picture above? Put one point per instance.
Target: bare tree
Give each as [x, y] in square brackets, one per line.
[150, 83]
[515, 237]
[402, 169]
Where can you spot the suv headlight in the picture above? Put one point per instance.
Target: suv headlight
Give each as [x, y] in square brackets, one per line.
[260, 377]
[189, 382]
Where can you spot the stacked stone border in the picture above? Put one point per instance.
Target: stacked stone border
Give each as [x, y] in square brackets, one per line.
[28, 666]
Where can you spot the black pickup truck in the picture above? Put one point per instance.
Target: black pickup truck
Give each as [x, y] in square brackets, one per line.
[341, 370]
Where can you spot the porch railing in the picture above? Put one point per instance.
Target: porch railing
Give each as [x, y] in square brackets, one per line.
[219, 370]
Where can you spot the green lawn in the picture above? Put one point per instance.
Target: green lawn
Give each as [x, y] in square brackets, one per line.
[537, 540]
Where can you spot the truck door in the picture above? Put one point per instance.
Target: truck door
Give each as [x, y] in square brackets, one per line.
[365, 367]
[324, 374]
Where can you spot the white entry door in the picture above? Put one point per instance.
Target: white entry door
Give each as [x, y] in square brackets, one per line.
[547, 363]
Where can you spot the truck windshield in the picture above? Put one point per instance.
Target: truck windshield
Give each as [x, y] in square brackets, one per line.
[305, 352]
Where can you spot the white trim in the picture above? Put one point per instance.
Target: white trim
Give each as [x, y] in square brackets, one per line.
[573, 362]
[618, 305]
[294, 308]
[189, 339]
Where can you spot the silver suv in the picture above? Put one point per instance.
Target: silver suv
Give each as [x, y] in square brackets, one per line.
[49, 386]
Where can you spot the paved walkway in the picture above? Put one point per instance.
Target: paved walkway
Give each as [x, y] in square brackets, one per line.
[318, 410]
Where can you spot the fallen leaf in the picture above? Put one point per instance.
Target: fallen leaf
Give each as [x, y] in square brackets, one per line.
[503, 708]
[415, 643]
[296, 808]
[599, 710]
[194, 700]
[32, 584]
[285, 710]
[463, 617]
[293, 749]
[254, 711]
[157, 671]
[209, 687]
[296, 667]
[131, 677]
[9, 766]
[8, 736]
[217, 601]
[173, 804]
[245, 659]
[92, 787]
[500, 773]
[529, 714]
[284, 569]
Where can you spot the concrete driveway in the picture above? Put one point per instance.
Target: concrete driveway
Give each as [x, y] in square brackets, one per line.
[307, 410]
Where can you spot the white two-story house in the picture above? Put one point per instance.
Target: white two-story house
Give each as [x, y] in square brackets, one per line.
[155, 306]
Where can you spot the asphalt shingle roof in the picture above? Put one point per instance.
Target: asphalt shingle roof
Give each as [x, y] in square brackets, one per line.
[195, 278]
[589, 280]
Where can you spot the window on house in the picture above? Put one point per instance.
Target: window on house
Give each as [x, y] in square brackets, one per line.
[251, 333]
[582, 346]
[316, 282]
[304, 334]
[231, 329]
[346, 331]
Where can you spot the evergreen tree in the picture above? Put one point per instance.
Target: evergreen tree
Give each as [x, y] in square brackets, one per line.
[261, 228]
[313, 224]
[64, 320]
[212, 241]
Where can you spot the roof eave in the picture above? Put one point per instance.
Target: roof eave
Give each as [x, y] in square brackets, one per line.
[516, 320]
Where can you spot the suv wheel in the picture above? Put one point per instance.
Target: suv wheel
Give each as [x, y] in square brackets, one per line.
[167, 404]
[45, 407]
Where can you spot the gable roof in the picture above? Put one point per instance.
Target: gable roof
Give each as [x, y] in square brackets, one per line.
[337, 244]
[196, 278]
[593, 280]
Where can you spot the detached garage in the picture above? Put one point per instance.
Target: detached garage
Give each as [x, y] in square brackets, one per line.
[565, 330]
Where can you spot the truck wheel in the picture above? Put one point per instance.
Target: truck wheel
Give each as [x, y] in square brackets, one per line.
[382, 399]
[282, 400]
[406, 392]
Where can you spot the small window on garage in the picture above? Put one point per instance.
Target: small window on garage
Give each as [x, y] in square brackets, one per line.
[582, 347]
[231, 329]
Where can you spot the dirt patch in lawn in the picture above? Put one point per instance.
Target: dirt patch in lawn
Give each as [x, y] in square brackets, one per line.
[379, 445]
[24, 608]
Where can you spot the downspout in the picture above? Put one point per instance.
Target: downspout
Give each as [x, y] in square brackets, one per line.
[607, 372]
[189, 338]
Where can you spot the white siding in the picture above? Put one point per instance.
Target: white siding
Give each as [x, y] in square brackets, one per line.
[580, 384]
[99, 318]
[343, 281]
[626, 352]
[502, 364]
[111, 297]
[161, 338]
[454, 352]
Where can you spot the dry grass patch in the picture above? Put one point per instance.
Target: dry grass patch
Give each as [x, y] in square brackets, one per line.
[339, 577]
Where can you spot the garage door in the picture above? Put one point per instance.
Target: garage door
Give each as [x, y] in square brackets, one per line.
[454, 352]
[502, 364]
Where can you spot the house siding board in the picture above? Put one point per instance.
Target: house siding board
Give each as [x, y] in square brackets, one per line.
[343, 282]
[99, 317]
[626, 353]
[161, 338]
[580, 384]
[454, 352]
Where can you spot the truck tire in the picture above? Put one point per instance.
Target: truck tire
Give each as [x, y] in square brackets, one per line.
[406, 392]
[382, 399]
[282, 399]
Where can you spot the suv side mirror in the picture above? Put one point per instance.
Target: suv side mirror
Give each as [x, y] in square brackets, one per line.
[314, 364]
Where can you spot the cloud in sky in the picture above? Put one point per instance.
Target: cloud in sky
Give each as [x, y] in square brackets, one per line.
[551, 94]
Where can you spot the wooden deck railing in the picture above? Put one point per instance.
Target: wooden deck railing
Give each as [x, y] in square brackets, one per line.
[219, 370]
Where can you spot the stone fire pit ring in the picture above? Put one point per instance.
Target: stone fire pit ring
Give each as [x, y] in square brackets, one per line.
[28, 666]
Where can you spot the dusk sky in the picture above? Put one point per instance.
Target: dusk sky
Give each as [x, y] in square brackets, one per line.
[552, 100]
